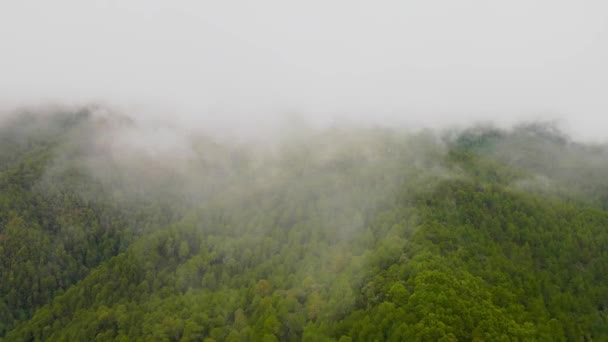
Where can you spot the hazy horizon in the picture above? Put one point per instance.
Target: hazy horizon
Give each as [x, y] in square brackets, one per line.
[418, 63]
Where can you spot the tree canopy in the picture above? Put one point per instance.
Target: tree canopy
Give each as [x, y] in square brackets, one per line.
[347, 234]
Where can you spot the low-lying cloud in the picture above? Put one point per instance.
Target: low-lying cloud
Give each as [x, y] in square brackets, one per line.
[238, 65]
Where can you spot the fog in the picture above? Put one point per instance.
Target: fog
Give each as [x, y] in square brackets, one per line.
[177, 170]
[238, 66]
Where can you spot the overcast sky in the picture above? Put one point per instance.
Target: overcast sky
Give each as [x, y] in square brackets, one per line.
[425, 62]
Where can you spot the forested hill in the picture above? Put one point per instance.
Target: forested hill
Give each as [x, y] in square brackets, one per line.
[116, 230]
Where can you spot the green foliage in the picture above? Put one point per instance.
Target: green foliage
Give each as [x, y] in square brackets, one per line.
[357, 235]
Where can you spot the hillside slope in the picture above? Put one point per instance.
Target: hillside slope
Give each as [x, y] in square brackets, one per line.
[346, 234]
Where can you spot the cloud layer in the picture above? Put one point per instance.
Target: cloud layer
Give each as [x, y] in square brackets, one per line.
[416, 62]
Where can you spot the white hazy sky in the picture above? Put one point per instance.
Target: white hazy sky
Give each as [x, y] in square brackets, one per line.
[428, 62]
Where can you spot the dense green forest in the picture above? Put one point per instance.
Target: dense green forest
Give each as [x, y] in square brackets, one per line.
[114, 231]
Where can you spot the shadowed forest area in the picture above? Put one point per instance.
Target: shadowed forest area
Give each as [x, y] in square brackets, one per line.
[347, 233]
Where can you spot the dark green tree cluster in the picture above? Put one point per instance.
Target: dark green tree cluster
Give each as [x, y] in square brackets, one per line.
[349, 235]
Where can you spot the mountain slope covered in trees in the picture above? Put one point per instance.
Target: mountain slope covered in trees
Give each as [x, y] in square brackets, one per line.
[344, 234]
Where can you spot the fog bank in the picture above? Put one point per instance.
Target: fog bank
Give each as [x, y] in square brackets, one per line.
[238, 65]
